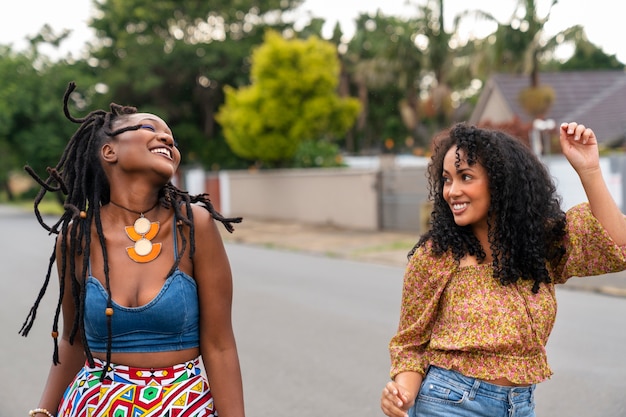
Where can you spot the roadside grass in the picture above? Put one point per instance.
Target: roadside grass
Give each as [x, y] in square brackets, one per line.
[403, 244]
[46, 207]
[26, 201]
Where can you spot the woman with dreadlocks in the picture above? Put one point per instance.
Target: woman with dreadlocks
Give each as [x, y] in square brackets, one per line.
[478, 302]
[145, 282]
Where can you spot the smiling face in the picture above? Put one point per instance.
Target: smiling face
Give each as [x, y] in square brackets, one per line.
[150, 148]
[466, 190]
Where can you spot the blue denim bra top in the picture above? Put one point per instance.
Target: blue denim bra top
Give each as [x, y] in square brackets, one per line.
[168, 322]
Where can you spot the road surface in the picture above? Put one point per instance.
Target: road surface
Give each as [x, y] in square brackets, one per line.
[312, 333]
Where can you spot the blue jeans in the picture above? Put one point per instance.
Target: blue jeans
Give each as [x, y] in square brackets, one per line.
[449, 393]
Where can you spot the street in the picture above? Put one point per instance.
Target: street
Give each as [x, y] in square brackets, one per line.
[312, 333]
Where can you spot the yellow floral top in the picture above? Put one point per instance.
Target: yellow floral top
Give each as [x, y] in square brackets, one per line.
[463, 318]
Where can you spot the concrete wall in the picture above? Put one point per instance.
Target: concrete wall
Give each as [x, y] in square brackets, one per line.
[342, 197]
[359, 198]
[404, 199]
[569, 186]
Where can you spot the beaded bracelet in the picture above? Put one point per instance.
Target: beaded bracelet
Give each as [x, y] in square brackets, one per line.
[32, 413]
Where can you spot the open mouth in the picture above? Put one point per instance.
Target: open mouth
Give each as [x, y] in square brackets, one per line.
[163, 151]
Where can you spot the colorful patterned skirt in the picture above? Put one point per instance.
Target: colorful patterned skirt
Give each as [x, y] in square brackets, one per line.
[176, 391]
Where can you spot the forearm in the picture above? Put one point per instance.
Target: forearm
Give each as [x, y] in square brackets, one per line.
[603, 206]
[71, 359]
[409, 380]
[224, 374]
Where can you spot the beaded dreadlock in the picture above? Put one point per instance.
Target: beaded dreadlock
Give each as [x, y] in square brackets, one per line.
[79, 176]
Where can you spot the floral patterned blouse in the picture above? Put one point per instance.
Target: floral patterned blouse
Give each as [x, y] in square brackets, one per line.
[463, 318]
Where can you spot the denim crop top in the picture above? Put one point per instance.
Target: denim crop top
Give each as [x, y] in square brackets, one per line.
[168, 322]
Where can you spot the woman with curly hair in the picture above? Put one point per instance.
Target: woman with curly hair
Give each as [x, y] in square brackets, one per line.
[145, 282]
[478, 301]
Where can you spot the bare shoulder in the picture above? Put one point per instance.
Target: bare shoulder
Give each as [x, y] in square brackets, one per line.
[205, 226]
[64, 249]
[210, 261]
[63, 238]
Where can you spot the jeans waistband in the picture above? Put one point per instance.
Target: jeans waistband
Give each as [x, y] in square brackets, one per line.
[480, 387]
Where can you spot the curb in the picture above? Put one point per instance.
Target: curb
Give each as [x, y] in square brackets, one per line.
[603, 290]
[386, 248]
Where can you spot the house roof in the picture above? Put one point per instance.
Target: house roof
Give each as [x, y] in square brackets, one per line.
[596, 99]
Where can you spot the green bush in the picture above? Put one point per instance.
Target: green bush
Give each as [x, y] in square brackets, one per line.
[292, 99]
[317, 154]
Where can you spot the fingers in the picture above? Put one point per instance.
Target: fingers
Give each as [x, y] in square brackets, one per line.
[393, 392]
[394, 402]
[578, 133]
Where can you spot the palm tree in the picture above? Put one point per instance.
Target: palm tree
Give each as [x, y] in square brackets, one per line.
[382, 61]
[520, 45]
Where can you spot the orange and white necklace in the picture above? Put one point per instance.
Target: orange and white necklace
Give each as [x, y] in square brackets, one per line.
[142, 232]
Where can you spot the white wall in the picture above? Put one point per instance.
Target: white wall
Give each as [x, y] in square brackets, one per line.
[568, 183]
[350, 197]
[341, 197]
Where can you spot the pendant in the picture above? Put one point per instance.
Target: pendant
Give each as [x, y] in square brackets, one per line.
[142, 232]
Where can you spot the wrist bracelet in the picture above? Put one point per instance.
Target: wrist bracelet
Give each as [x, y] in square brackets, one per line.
[36, 411]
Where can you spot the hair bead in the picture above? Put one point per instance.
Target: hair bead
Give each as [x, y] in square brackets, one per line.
[83, 184]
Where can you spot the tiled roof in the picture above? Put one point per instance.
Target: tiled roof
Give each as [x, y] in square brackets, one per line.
[596, 99]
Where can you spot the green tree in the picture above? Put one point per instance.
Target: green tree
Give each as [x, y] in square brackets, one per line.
[588, 56]
[383, 64]
[452, 64]
[410, 74]
[174, 57]
[33, 129]
[10, 66]
[521, 46]
[292, 98]
[436, 104]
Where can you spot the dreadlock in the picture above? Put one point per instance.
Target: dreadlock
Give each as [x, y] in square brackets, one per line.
[80, 178]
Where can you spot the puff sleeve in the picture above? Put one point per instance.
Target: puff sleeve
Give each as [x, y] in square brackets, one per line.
[589, 250]
[425, 279]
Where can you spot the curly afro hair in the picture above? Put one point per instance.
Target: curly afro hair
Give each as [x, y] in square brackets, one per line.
[526, 222]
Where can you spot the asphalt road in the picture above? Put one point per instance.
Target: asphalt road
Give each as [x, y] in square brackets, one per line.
[312, 333]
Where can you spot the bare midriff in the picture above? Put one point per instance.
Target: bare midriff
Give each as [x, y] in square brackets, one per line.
[502, 381]
[150, 359]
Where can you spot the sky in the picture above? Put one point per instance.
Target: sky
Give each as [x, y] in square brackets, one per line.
[603, 25]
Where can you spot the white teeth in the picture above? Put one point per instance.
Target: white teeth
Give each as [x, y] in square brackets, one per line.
[459, 206]
[163, 151]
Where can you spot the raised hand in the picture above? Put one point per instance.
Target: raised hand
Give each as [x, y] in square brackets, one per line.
[580, 147]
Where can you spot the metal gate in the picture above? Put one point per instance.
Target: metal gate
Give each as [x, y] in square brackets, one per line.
[404, 199]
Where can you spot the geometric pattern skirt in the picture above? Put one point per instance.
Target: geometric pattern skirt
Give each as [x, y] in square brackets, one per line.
[176, 391]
